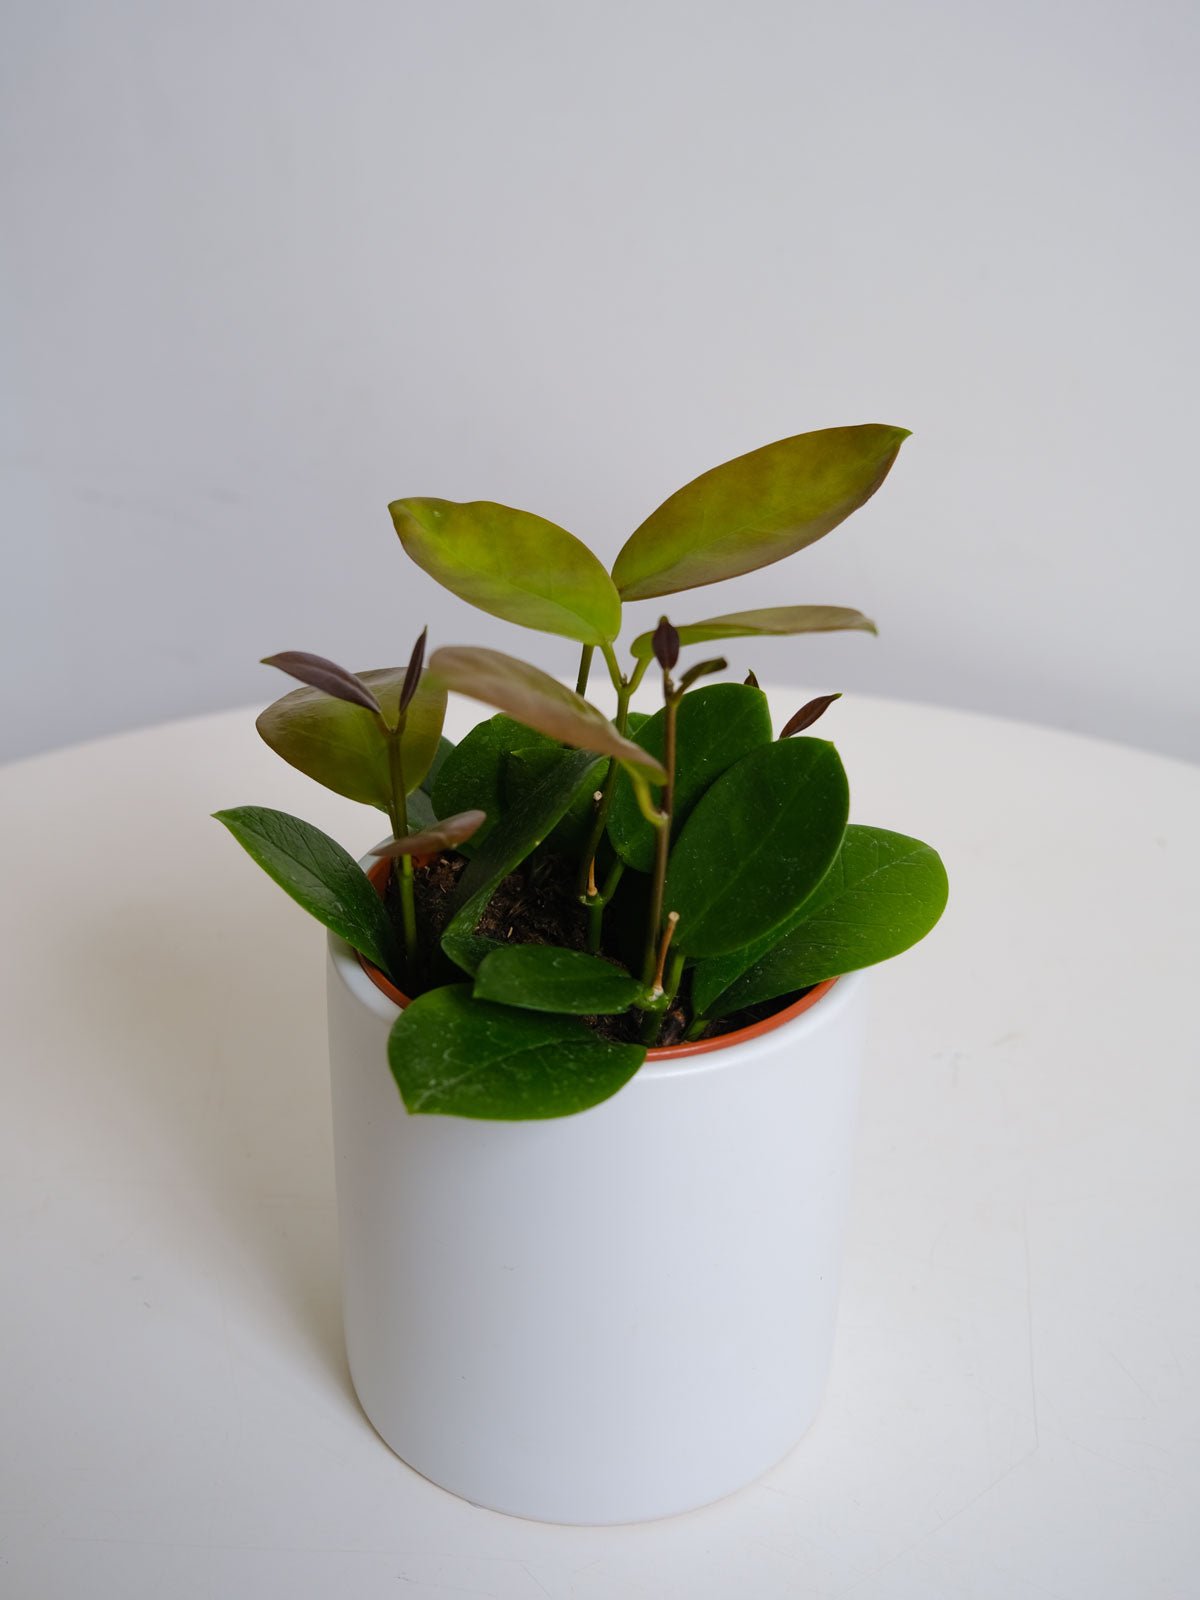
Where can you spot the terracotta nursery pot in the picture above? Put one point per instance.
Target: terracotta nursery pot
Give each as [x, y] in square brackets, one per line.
[605, 1317]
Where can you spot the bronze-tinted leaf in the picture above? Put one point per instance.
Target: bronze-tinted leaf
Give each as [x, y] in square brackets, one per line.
[413, 676]
[512, 564]
[808, 714]
[768, 622]
[344, 747]
[756, 509]
[441, 835]
[538, 700]
[321, 673]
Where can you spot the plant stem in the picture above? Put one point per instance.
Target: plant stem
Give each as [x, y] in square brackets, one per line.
[660, 981]
[587, 864]
[666, 986]
[614, 670]
[398, 811]
[662, 843]
[585, 669]
[597, 901]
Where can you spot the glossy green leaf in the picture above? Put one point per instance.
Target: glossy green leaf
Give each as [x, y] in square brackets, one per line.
[769, 622]
[536, 699]
[701, 669]
[457, 1056]
[524, 769]
[343, 747]
[543, 977]
[756, 509]
[715, 727]
[472, 777]
[519, 832]
[319, 875]
[757, 844]
[883, 893]
[420, 811]
[512, 564]
[445, 748]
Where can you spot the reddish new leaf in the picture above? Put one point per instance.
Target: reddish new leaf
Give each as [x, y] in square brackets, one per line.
[808, 714]
[320, 673]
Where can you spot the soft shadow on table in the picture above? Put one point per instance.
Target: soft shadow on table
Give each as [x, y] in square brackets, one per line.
[216, 1089]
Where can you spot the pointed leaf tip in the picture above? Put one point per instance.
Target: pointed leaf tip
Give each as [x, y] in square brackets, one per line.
[768, 622]
[702, 669]
[413, 675]
[323, 736]
[756, 509]
[453, 1055]
[808, 714]
[318, 672]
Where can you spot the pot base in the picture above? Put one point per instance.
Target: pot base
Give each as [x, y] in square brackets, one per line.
[642, 1514]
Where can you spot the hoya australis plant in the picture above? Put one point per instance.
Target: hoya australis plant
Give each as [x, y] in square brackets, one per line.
[561, 892]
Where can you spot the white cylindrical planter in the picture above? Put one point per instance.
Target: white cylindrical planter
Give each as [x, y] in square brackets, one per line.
[605, 1317]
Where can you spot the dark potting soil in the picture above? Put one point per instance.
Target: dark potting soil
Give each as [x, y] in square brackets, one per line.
[537, 904]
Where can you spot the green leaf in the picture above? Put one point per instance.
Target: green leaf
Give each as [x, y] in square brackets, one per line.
[319, 875]
[883, 893]
[757, 845]
[420, 811]
[771, 621]
[445, 748]
[513, 565]
[456, 1056]
[524, 769]
[469, 950]
[756, 509]
[516, 836]
[343, 747]
[701, 669]
[542, 977]
[472, 776]
[538, 700]
[715, 727]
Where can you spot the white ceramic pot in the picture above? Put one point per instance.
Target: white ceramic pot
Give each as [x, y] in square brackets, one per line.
[606, 1317]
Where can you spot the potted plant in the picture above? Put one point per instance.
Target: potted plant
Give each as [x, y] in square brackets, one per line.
[590, 1250]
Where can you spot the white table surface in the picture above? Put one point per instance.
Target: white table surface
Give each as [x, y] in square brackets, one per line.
[1013, 1407]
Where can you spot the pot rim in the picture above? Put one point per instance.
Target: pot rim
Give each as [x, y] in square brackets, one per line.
[377, 870]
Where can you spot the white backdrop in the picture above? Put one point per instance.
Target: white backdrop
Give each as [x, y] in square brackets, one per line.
[270, 265]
